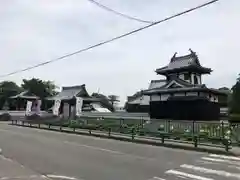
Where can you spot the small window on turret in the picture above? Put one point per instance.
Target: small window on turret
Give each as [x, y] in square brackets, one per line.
[186, 76]
[195, 80]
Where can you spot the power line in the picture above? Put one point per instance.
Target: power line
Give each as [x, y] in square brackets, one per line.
[110, 40]
[119, 13]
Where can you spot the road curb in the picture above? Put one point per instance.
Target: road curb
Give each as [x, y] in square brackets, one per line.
[142, 141]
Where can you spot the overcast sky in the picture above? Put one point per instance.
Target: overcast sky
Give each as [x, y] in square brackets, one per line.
[33, 31]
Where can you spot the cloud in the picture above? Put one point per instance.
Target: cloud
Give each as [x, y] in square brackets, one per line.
[36, 31]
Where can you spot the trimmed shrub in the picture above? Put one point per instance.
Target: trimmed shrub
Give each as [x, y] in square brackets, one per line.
[5, 117]
[234, 118]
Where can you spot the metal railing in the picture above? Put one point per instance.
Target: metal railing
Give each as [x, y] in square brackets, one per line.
[215, 134]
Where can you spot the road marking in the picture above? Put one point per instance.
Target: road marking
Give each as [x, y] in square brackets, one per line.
[211, 171]
[187, 175]
[108, 150]
[221, 160]
[93, 147]
[213, 159]
[61, 177]
[232, 164]
[22, 177]
[225, 157]
[157, 178]
[182, 177]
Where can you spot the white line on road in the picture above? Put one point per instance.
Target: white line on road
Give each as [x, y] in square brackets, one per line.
[221, 160]
[225, 157]
[157, 178]
[183, 174]
[211, 171]
[108, 150]
[93, 147]
[22, 177]
[61, 177]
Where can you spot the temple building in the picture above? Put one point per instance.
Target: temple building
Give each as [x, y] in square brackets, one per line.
[68, 100]
[183, 96]
[22, 98]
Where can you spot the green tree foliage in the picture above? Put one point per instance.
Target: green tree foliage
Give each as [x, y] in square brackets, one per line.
[113, 99]
[39, 87]
[235, 98]
[8, 89]
[224, 100]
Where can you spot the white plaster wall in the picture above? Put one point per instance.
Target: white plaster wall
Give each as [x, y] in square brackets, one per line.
[179, 94]
[145, 100]
[198, 79]
[192, 78]
[164, 97]
[213, 98]
[155, 98]
[181, 76]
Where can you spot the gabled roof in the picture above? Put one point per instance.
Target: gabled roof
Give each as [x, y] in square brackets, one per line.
[178, 82]
[25, 95]
[174, 84]
[156, 83]
[182, 63]
[71, 92]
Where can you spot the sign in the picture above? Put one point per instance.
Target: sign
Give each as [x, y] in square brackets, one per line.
[29, 108]
[79, 104]
[56, 107]
[66, 110]
[38, 106]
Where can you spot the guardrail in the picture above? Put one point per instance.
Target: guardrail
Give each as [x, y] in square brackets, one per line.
[116, 115]
[188, 132]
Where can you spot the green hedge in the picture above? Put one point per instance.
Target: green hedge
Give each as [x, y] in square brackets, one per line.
[5, 117]
[234, 118]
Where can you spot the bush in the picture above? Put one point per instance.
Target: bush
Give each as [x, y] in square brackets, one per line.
[33, 117]
[234, 118]
[5, 117]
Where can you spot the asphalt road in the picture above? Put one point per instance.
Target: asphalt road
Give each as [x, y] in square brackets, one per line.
[40, 154]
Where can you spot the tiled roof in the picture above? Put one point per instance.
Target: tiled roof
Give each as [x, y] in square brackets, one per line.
[25, 95]
[183, 62]
[185, 89]
[71, 92]
[156, 83]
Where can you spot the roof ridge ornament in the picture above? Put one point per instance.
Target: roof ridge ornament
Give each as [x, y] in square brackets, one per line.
[174, 56]
[192, 52]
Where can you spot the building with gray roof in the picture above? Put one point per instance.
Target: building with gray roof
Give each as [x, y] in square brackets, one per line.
[184, 96]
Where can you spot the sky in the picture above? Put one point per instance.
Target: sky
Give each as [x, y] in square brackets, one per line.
[32, 32]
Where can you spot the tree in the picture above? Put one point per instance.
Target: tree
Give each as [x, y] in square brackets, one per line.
[235, 97]
[224, 100]
[8, 89]
[113, 99]
[39, 87]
